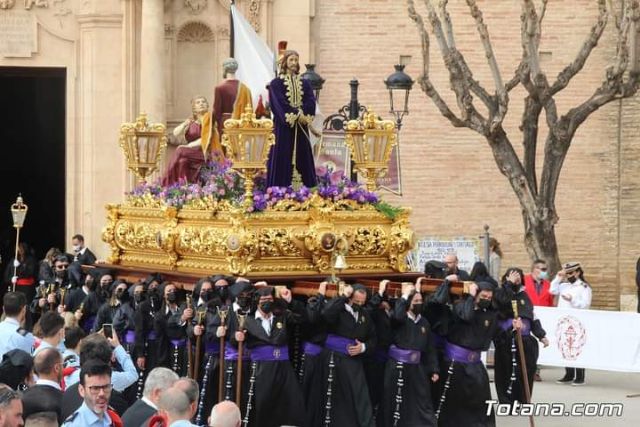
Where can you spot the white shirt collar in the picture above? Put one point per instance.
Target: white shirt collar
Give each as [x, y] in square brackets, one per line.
[413, 317]
[261, 317]
[12, 320]
[351, 311]
[49, 383]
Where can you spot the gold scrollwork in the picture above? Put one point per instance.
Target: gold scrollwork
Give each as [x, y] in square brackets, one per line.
[274, 242]
[369, 241]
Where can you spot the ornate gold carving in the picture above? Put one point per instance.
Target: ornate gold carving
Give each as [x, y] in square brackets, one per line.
[292, 238]
[195, 32]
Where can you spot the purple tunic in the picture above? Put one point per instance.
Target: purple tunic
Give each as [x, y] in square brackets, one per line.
[279, 166]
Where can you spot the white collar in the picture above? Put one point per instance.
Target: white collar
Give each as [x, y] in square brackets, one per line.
[413, 317]
[48, 383]
[150, 403]
[12, 320]
[261, 317]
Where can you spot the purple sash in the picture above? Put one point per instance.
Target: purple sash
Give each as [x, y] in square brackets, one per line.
[270, 353]
[231, 353]
[506, 324]
[311, 349]
[152, 336]
[212, 348]
[339, 344]
[405, 356]
[461, 354]
[180, 342]
[129, 337]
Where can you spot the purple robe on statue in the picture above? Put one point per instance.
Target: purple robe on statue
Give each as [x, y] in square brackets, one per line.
[291, 97]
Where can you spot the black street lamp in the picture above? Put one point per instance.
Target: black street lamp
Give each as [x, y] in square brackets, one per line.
[314, 78]
[399, 85]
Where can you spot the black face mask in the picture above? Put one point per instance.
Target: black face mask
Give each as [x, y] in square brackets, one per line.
[484, 303]
[572, 279]
[357, 308]
[138, 298]
[244, 302]
[104, 291]
[91, 284]
[223, 292]
[266, 307]
[206, 295]
[61, 274]
[416, 309]
[122, 295]
[172, 297]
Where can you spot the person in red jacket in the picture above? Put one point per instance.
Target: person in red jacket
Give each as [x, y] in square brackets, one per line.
[536, 285]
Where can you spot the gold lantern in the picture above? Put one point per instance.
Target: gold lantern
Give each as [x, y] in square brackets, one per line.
[18, 213]
[370, 142]
[248, 141]
[143, 144]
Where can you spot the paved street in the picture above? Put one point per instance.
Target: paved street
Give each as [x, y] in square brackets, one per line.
[601, 386]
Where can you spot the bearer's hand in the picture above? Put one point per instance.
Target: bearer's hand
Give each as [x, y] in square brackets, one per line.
[198, 330]
[51, 298]
[407, 289]
[240, 336]
[285, 294]
[382, 287]
[514, 277]
[348, 291]
[141, 362]
[78, 314]
[545, 341]
[355, 350]
[42, 302]
[61, 309]
[473, 290]
[452, 278]
[517, 324]
[435, 378]
[419, 282]
[261, 283]
[322, 289]
[221, 331]
[187, 314]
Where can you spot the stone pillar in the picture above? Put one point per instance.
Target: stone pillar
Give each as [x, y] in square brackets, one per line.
[152, 61]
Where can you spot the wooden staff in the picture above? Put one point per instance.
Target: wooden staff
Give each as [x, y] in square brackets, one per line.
[52, 289]
[189, 350]
[196, 369]
[523, 361]
[222, 313]
[241, 320]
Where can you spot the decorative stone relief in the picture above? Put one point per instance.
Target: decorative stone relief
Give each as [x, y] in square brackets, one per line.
[195, 32]
[7, 4]
[195, 6]
[28, 4]
[223, 31]
[18, 34]
[254, 14]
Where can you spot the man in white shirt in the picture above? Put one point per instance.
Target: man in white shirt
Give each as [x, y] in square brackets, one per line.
[12, 334]
[574, 292]
[46, 394]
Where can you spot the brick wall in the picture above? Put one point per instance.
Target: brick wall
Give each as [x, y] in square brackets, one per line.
[449, 175]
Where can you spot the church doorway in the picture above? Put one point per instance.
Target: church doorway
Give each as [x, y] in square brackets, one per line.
[32, 140]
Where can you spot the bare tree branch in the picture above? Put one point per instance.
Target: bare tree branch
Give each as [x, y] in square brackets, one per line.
[565, 76]
[531, 37]
[446, 18]
[613, 13]
[542, 12]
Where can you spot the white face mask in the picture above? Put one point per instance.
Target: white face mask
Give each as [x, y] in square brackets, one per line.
[77, 248]
[543, 275]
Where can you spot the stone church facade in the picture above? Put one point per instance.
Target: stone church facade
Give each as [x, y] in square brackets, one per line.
[126, 56]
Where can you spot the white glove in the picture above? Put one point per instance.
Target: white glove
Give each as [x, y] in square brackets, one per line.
[16, 263]
[14, 279]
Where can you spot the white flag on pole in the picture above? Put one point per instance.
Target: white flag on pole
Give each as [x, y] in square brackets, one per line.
[255, 59]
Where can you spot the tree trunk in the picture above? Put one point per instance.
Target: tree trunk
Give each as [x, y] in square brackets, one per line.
[540, 241]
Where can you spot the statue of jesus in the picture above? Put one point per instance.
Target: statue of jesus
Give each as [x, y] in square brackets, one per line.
[293, 105]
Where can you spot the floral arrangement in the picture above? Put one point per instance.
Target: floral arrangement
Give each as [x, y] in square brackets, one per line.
[218, 183]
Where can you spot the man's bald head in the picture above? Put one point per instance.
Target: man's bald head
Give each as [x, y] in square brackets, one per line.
[225, 414]
[175, 403]
[189, 387]
[48, 364]
[451, 259]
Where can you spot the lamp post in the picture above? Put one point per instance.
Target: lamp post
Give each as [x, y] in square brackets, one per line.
[18, 213]
[314, 78]
[399, 85]
[248, 141]
[143, 144]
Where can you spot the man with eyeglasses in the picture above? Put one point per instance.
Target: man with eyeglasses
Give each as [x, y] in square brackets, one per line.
[10, 407]
[95, 389]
